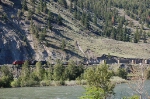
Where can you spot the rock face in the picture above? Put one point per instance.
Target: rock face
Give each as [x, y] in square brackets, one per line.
[12, 47]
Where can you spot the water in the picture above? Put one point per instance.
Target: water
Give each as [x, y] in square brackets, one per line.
[122, 90]
[61, 92]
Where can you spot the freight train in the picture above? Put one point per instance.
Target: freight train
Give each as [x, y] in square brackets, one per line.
[19, 62]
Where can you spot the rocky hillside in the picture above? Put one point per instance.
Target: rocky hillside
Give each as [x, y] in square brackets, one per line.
[50, 30]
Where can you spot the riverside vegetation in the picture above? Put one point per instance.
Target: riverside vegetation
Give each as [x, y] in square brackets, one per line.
[96, 78]
[55, 75]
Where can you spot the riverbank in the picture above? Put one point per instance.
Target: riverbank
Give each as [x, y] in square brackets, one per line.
[115, 80]
[63, 83]
[16, 83]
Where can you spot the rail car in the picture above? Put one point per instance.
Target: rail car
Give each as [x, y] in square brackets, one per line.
[18, 62]
[33, 62]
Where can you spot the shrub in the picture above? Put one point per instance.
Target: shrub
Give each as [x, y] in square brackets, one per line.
[45, 83]
[15, 83]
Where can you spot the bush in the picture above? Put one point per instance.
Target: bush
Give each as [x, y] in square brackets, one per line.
[15, 83]
[56, 83]
[45, 83]
[148, 74]
[93, 93]
[122, 73]
[29, 83]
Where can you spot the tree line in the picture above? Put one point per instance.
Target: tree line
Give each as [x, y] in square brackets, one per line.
[39, 75]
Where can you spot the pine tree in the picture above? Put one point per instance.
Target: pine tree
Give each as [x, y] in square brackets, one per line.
[70, 7]
[95, 20]
[39, 71]
[144, 37]
[30, 13]
[44, 7]
[59, 20]
[49, 25]
[58, 71]
[86, 22]
[83, 18]
[24, 5]
[63, 3]
[41, 5]
[31, 26]
[50, 17]
[75, 14]
[63, 44]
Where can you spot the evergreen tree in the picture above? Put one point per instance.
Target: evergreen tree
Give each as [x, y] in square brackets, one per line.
[30, 13]
[75, 14]
[44, 7]
[41, 5]
[50, 73]
[50, 16]
[63, 45]
[63, 3]
[24, 5]
[49, 25]
[39, 71]
[122, 73]
[95, 20]
[25, 74]
[59, 20]
[86, 22]
[70, 7]
[78, 15]
[31, 26]
[72, 70]
[144, 37]
[58, 71]
[83, 18]
[135, 38]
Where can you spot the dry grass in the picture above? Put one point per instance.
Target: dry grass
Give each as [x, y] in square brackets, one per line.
[116, 80]
[104, 46]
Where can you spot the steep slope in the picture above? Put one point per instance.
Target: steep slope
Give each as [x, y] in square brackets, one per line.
[54, 33]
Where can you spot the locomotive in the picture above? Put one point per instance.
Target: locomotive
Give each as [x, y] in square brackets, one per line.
[18, 62]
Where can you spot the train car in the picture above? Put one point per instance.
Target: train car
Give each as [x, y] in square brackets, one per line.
[18, 62]
[43, 62]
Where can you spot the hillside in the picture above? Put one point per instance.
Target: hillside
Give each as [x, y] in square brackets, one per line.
[70, 29]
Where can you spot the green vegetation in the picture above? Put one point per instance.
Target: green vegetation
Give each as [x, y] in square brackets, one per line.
[148, 74]
[63, 45]
[104, 14]
[114, 26]
[122, 73]
[99, 82]
[38, 76]
[97, 78]
[6, 77]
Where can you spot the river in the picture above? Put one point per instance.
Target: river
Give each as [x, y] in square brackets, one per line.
[60, 92]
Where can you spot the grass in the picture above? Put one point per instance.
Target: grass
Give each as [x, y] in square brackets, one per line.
[117, 80]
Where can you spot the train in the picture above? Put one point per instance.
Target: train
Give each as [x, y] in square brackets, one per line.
[33, 62]
[18, 62]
